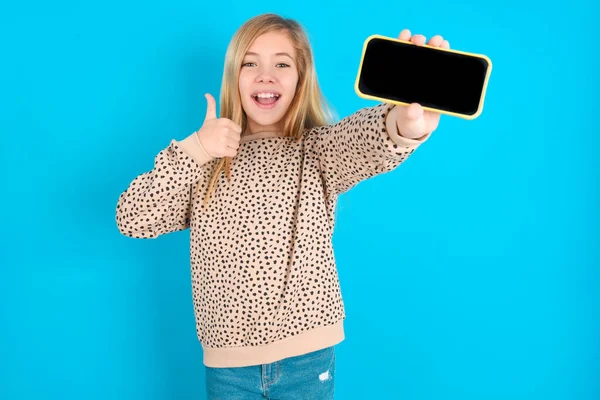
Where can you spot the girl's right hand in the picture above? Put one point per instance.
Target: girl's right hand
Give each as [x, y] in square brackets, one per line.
[220, 137]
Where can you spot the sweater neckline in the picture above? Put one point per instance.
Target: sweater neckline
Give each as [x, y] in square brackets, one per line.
[259, 136]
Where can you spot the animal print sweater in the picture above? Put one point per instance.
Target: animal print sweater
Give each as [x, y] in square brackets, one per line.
[264, 280]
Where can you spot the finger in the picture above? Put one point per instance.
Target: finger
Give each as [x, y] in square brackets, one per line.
[445, 44]
[211, 107]
[234, 127]
[404, 35]
[414, 111]
[229, 125]
[411, 121]
[233, 144]
[418, 39]
[436, 41]
[235, 135]
[230, 152]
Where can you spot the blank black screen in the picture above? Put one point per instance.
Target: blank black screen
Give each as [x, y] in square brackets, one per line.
[432, 78]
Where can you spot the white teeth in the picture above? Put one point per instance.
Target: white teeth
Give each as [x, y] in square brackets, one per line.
[266, 95]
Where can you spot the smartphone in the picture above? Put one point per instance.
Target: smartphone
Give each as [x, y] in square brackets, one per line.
[446, 81]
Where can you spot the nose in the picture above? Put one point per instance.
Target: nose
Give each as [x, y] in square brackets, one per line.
[265, 74]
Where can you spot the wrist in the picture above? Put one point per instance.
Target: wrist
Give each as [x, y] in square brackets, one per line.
[194, 148]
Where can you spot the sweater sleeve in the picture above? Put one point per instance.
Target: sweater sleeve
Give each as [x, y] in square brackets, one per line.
[159, 201]
[360, 146]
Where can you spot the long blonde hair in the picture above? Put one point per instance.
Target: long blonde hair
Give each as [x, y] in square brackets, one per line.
[308, 109]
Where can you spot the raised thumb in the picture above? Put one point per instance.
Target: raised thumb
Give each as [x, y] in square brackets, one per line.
[211, 107]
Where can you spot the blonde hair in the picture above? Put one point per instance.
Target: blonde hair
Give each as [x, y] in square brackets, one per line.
[309, 107]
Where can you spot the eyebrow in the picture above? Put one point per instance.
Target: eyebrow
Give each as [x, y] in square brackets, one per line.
[250, 53]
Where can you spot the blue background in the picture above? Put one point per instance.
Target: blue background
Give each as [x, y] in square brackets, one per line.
[471, 272]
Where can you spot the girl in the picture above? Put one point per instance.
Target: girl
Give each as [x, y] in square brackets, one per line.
[266, 294]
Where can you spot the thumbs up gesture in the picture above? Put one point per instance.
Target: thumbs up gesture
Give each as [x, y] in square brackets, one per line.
[220, 137]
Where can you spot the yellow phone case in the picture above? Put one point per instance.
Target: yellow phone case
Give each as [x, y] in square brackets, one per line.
[464, 116]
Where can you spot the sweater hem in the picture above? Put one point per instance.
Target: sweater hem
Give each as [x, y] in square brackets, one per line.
[309, 341]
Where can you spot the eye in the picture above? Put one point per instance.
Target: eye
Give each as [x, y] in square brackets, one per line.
[284, 65]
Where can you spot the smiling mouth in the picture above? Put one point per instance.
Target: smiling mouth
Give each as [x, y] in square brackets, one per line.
[266, 102]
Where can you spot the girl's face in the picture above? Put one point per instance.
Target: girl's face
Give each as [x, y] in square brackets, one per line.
[267, 82]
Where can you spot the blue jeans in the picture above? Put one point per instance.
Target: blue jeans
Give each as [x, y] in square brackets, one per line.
[306, 377]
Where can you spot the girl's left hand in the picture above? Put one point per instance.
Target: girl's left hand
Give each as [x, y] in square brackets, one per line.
[414, 121]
